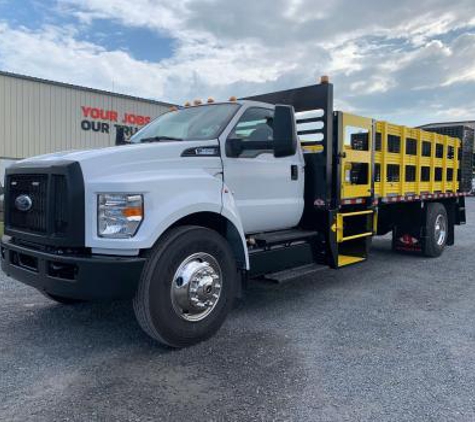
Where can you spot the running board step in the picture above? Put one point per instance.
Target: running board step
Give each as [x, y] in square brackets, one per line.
[282, 237]
[293, 273]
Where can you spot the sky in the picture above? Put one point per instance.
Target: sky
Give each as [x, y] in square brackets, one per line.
[410, 62]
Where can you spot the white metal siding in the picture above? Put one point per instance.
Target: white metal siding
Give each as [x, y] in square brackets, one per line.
[38, 117]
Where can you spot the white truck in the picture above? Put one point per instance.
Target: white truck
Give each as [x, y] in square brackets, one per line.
[202, 199]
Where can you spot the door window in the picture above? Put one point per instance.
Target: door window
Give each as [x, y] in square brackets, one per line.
[255, 126]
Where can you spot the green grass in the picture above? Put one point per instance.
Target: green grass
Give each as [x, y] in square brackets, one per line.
[1, 228]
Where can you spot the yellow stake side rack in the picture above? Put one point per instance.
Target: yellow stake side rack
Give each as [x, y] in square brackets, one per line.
[365, 177]
[403, 161]
[380, 162]
[412, 161]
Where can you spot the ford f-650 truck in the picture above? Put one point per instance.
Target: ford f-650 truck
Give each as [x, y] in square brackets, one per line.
[209, 196]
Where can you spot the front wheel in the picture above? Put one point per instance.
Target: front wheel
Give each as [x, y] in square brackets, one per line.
[187, 287]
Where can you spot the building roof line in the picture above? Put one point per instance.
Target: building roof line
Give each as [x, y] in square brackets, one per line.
[83, 88]
[457, 123]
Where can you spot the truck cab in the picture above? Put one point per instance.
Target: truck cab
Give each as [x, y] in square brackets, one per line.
[202, 199]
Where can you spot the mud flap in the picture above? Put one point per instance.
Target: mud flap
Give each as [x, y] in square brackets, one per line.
[408, 240]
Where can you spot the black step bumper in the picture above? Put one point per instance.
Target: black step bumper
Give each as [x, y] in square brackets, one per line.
[93, 277]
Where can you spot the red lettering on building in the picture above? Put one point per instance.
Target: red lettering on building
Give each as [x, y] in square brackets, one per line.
[95, 113]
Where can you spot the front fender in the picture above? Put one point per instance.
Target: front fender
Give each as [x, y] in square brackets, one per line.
[230, 212]
[167, 199]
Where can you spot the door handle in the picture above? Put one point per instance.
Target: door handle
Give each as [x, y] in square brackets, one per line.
[294, 172]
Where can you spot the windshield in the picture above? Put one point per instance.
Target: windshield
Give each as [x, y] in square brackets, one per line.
[194, 123]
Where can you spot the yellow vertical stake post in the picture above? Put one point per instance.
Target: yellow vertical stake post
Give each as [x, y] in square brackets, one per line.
[402, 180]
[384, 156]
[457, 146]
[432, 162]
[444, 163]
[418, 162]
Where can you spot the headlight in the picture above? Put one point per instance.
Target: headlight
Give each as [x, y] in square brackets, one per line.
[119, 215]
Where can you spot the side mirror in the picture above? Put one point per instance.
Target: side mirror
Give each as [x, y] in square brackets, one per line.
[285, 131]
[120, 136]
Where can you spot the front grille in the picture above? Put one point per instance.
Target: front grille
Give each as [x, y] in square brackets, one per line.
[35, 186]
[56, 199]
[60, 194]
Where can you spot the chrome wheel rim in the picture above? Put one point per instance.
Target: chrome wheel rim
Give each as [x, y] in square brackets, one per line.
[196, 287]
[440, 230]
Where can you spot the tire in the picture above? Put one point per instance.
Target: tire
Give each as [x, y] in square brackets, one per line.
[188, 256]
[436, 230]
[63, 300]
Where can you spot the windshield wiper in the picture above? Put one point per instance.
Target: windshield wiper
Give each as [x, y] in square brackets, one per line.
[160, 138]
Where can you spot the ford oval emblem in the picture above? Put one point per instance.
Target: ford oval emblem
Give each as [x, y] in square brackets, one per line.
[23, 203]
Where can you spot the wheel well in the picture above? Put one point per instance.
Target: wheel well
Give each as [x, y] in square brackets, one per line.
[223, 226]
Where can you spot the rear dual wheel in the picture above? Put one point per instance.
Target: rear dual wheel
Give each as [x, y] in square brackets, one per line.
[437, 230]
[187, 286]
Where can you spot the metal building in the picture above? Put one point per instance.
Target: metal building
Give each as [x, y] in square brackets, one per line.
[465, 131]
[39, 116]
[470, 123]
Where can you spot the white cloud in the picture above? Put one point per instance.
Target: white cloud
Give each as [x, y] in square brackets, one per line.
[55, 54]
[385, 60]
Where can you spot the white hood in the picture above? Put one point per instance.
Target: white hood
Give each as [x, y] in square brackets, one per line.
[128, 159]
[173, 185]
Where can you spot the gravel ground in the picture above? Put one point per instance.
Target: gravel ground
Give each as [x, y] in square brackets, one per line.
[390, 340]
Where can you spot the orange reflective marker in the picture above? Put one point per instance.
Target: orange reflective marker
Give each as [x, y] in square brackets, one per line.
[133, 212]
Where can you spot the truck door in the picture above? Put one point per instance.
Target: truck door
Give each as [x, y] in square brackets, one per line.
[268, 191]
[356, 156]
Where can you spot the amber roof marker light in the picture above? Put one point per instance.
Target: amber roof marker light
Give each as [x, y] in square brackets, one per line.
[324, 79]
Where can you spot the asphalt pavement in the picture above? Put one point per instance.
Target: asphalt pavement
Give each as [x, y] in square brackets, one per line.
[392, 339]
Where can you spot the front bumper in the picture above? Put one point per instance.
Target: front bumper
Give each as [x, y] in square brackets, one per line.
[86, 277]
